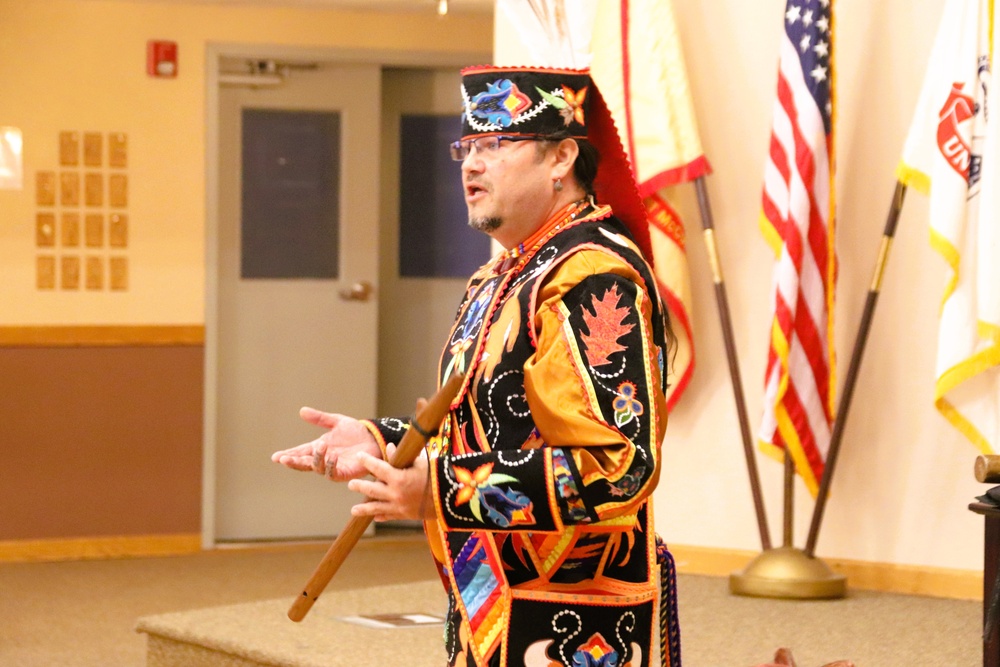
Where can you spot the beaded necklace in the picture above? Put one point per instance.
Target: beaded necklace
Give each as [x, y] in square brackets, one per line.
[508, 259]
[515, 258]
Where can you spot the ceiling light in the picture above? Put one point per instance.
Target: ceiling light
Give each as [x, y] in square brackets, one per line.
[442, 7]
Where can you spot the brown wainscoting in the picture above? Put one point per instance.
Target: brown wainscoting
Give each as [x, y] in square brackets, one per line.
[101, 336]
[101, 432]
[99, 548]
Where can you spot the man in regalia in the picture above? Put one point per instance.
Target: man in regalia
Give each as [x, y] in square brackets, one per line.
[535, 491]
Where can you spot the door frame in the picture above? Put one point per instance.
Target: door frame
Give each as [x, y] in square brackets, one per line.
[213, 57]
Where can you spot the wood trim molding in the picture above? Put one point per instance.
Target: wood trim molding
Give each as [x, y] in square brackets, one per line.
[96, 548]
[861, 575]
[102, 336]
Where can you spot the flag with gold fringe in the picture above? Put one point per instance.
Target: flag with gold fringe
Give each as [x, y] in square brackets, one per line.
[639, 67]
[797, 219]
[951, 153]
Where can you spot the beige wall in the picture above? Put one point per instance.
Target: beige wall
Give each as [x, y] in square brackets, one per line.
[904, 477]
[80, 65]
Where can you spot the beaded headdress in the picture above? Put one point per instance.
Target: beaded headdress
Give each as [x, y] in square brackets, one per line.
[540, 101]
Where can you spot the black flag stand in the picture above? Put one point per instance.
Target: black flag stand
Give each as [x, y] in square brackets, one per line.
[734, 367]
[852, 371]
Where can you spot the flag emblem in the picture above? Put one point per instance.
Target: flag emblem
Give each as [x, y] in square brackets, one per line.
[958, 108]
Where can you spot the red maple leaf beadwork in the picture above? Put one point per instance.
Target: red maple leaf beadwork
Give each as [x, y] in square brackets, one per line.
[605, 326]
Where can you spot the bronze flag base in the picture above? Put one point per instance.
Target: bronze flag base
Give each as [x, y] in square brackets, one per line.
[787, 572]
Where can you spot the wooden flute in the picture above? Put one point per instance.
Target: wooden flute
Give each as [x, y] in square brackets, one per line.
[427, 419]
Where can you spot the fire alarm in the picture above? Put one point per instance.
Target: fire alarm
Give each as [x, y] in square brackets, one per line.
[161, 59]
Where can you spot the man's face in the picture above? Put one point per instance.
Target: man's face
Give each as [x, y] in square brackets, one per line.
[508, 192]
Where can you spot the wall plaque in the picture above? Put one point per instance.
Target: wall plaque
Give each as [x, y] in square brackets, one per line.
[118, 190]
[93, 189]
[46, 272]
[45, 230]
[95, 273]
[94, 230]
[119, 273]
[69, 188]
[69, 149]
[92, 142]
[118, 150]
[118, 230]
[70, 228]
[69, 268]
[45, 188]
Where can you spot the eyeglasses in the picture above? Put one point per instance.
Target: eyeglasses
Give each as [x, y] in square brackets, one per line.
[488, 144]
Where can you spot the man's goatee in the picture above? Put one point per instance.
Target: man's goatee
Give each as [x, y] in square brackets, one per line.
[486, 223]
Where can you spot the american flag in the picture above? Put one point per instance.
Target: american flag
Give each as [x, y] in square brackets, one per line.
[797, 218]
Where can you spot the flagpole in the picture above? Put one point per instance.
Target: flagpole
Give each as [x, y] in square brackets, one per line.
[789, 537]
[734, 367]
[852, 371]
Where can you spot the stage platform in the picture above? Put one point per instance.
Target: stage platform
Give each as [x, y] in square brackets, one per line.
[259, 634]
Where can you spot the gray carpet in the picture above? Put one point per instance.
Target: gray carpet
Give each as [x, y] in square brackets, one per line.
[872, 629]
[84, 613]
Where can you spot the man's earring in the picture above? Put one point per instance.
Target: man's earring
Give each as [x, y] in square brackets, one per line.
[558, 185]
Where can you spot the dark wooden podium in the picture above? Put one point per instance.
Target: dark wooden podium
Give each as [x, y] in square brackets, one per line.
[991, 558]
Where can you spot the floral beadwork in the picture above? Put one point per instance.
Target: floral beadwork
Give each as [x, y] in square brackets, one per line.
[465, 333]
[504, 507]
[469, 482]
[625, 404]
[570, 106]
[502, 102]
[596, 652]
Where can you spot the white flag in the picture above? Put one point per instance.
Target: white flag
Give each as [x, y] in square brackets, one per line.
[951, 153]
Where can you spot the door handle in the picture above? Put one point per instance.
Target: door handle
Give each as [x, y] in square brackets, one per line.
[359, 291]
